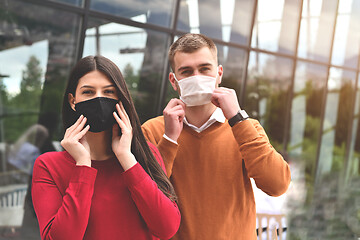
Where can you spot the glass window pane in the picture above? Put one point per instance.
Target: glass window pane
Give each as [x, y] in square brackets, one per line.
[308, 94]
[339, 101]
[347, 39]
[267, 91]
[39, 51]
[317, 23]
[233, 61]
[157, 12]
[276, 25]
[228, 20]
[139, 53]
[353, 166]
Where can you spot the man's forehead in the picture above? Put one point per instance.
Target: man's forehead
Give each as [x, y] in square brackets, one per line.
[199, 58]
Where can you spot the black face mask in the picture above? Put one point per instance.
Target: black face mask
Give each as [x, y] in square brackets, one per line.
[99, 113]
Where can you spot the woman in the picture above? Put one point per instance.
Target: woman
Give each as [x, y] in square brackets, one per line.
[107, 184]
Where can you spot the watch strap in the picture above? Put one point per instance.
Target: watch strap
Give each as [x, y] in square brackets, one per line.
[240, 116]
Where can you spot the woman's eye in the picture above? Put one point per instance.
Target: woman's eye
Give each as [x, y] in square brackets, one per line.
[109, 91]
[87, 92]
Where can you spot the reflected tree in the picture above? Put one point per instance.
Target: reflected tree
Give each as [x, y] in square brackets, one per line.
[24, 106]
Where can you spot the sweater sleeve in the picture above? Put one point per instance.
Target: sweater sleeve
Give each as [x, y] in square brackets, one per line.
[62, 217]
[167, 149]
[160, 214]
[263, 163]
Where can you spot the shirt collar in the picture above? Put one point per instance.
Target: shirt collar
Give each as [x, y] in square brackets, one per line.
[217, 116]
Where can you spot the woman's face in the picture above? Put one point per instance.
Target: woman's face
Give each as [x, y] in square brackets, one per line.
[92, 85]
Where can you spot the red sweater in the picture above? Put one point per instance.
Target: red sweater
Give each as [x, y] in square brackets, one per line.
[99, 202]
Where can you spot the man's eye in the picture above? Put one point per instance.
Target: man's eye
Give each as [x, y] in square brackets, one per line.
[186, 72]
[205, 69]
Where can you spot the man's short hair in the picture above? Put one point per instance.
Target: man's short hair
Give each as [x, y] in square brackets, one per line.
[189, 43]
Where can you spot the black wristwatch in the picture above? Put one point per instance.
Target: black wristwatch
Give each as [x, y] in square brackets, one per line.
[240, 116]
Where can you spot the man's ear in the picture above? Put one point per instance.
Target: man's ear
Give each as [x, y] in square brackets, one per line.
[220, 73]
[173, 81]
[71, 100]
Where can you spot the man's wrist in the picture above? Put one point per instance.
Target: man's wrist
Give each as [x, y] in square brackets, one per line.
[239, 117]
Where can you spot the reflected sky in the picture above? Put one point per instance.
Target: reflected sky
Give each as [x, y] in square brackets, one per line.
[13, 65]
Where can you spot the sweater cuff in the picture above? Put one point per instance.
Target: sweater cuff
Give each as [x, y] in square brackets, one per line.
[84, 174]
[134, 175]
[244, 132]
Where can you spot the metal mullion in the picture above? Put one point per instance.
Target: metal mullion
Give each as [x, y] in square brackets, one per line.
[57, 5]
[164, 80]
[83, 27]
[322, 116]
[291, 92]
[128, 22]
[244, 83]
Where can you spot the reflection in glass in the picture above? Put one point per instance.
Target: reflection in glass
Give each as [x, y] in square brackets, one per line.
[276, 25]
[38, 50]
[158, 12]
[353, 164]
[234, 63]
[140, 55]
[339, 101]
[267, 92]
[307, 102]
[347, 40]
[317, 22]
[331, 198]
[220, 19]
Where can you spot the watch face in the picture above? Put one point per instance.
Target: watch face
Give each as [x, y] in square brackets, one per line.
[243, 114]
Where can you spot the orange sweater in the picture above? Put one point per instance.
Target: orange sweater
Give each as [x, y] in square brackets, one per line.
[210, 172]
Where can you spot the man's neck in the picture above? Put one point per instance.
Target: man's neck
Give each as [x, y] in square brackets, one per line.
[198, 115]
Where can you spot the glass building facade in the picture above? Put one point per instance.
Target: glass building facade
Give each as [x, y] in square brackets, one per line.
[294, 64]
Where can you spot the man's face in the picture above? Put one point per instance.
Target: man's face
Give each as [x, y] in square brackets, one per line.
[200, 62]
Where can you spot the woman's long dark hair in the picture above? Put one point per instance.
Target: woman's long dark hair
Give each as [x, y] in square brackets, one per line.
[139, 146]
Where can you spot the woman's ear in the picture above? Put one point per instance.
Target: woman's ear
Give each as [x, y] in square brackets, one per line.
[71, 100]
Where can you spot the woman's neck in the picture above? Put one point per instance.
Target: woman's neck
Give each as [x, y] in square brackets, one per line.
[100, 145]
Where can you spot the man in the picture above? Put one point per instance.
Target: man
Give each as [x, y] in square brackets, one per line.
[211, 148]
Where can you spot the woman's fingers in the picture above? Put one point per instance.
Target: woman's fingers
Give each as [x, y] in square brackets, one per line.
[76, 128]
[119, 121]
[83, 132]
[123, 115]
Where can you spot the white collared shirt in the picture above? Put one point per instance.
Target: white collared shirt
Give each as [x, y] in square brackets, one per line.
[217, 116]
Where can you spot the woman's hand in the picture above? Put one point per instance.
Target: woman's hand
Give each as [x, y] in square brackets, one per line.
[121, 144]
[75, 143]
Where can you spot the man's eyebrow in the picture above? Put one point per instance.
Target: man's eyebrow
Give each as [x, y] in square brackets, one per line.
[204, 65]
[184, 68]
[200, 65]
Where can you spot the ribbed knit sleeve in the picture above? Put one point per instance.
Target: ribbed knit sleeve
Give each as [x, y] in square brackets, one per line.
[62, 217]
[161, 215]
[263, 163]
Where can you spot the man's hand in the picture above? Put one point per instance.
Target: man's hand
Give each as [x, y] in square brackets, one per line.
[174, 114]
[226, 99]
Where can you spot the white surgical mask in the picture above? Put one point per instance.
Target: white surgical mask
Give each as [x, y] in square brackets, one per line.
[196, 90]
